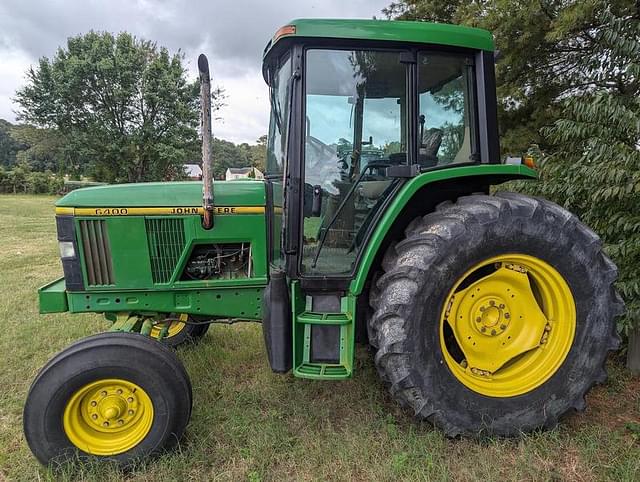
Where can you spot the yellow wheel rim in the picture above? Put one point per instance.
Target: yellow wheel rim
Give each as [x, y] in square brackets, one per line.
[175, 327]
[507, 325]
[108, 417]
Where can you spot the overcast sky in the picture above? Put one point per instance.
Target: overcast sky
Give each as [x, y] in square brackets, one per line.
[232, 33]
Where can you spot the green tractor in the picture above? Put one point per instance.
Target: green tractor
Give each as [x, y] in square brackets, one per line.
[487, 313]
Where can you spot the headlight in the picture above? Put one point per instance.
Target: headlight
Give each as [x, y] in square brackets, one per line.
[66, 249]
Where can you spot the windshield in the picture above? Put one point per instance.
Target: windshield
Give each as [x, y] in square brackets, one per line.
[279, 96]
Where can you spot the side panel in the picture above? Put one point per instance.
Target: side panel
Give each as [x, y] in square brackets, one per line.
[498, 173]
[140, 246]
[128, 239]
[158, 258]
[240, 301]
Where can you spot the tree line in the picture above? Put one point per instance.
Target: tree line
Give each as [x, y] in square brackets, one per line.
[113, 108]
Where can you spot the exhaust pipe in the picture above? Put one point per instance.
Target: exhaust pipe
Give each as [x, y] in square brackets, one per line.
[207, 158]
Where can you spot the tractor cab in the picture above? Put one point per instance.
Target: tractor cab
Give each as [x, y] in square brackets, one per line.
[358, 108]
[353, 114]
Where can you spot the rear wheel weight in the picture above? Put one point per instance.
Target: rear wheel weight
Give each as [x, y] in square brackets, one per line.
[119, 396]
[507, 325]
[422, 351]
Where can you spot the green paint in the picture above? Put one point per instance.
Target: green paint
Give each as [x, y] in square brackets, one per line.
[133, 289]
[240, 301]
[53, 297]
[393, 31]
[130, 255]
[305, 320]
[408, 191]
[169, 194]
[128, 239]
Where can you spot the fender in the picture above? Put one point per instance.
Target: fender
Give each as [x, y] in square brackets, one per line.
[495, 174]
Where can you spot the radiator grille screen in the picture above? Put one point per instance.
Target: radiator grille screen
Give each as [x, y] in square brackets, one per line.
[166, 243]
[97, 253]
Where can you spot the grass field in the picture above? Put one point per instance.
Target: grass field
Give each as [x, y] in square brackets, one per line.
[251, 424]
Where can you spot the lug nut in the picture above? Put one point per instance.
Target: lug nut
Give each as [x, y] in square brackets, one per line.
[492, 303]
[493, 332]
[507, 316]
[94, 416]
[503, 327]
[94, 403]
[120, 422]
[103, 393]
[482, 308]
[105, 424]
[119, 391]
[130, 399]
[478, 319]
[130, 412]
[483, 329]
[501, 305]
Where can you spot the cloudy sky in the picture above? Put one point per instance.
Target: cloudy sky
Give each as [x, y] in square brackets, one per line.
[232, 32]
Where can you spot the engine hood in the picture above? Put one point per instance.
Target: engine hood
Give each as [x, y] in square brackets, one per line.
[154, 194]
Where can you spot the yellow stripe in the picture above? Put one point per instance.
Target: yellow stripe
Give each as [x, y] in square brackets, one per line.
[64, 211]
[171, 211]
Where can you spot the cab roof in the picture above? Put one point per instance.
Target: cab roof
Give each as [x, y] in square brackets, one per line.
[386, 30]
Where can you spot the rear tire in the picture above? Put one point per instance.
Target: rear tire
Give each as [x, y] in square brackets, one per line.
[415, 295]
[115, 396]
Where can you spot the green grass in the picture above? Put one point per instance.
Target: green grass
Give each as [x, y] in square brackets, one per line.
[251, 424]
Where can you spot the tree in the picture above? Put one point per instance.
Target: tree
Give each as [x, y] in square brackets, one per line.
[548, 52]
[226, 154]
[594, 167]
[8, 145]
[123, 106]
[256, 153]
[41, 149]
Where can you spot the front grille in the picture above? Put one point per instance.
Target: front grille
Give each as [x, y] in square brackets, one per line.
[97, 253]
[166, 243]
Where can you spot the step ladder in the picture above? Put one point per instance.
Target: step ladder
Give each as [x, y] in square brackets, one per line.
[322, 342]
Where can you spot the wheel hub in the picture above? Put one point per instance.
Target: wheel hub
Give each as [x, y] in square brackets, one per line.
[492, 318]
[111, 407]
[107, 417]
[513, 323]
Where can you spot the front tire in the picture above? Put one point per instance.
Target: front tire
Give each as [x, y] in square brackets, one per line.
[117, 396]
[494, 315]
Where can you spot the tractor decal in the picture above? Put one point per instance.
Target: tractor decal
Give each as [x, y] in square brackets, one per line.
[155, 211]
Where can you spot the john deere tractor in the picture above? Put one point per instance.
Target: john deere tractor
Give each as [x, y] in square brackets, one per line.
[487, 313]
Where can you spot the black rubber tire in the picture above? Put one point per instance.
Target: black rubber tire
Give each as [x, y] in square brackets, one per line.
[190, 334]
[417, 275]
[129, 356]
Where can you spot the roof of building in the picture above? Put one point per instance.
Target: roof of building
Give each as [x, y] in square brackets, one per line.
[240, 170]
